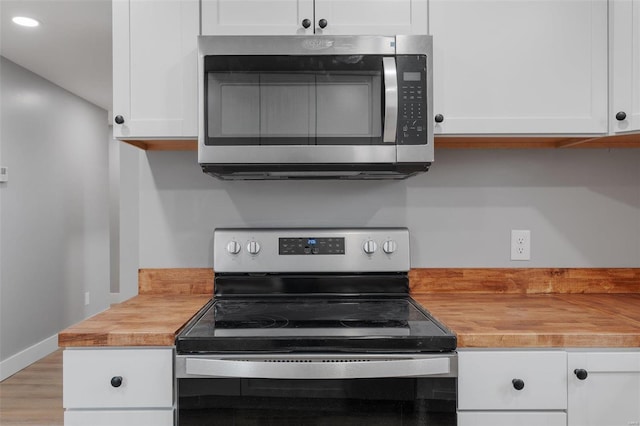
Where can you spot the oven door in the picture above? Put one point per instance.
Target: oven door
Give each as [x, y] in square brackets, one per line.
[317, 390]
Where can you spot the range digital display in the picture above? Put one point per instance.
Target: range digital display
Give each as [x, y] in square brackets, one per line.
[310, 246]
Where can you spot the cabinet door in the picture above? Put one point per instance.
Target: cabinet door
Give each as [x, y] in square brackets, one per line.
[625, 65]
[520, 66]
[372, 17]
[145, 378]
[487, 380]
[154, 68]
[256, 17]
[610, 393]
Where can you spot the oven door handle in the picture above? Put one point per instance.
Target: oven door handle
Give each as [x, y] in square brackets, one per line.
[390, 99]
[312, 369]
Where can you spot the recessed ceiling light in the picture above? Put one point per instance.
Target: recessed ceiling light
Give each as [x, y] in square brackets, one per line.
[25, 22]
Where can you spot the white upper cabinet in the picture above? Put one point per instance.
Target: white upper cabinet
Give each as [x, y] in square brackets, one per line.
[624, 48]
[371, 17]
[604, 389]
[286, 17]
[154, 68]
[257, 17]
[520, 67]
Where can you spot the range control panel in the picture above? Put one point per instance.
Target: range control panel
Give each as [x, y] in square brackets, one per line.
[311, 245]
[412, 94]
[266, 250]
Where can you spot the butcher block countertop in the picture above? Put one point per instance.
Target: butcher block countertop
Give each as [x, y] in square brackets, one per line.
[486, 308]
[167, 300]
[534, 308]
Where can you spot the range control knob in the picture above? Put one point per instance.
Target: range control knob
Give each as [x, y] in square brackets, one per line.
[253, 247]
[389, 246]
[370, 247]
[233, 247]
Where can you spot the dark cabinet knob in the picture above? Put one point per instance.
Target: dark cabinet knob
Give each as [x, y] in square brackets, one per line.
[322, 23]
[306, 23]
[116, 381]
[119, 119]
[518, 384]
[580, 373]
[439, 118]
[621, 115]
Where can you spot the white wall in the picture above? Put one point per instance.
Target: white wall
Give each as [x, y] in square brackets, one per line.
[55, 211]
[582, 207]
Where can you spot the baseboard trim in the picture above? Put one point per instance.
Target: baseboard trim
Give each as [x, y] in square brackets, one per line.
[114, 298]
[25, 358]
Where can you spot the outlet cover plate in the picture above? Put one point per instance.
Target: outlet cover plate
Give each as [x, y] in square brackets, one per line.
[520, 244]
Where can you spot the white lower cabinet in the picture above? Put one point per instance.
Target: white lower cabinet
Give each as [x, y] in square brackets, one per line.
[118, 386]
[604, 388]
[512, 388]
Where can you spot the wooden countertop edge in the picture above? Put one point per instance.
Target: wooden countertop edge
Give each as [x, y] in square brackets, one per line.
[547, 341]
[110, 328]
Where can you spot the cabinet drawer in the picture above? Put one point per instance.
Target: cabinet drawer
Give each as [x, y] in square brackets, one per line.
[147, 378]
[524, 418]
[486, 380]
[119, 418]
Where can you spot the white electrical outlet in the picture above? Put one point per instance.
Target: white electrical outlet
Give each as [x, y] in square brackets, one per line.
[520, 244]
[4, 174]
[87, 300]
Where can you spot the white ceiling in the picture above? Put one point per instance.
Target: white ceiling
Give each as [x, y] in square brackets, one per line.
[71, 47]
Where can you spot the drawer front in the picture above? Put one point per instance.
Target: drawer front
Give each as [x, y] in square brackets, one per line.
[498, 418]
[486, 380]
[147, 378]
[118, 418]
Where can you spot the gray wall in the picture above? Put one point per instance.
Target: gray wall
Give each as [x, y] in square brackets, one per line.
[582, 207]
[54, 224]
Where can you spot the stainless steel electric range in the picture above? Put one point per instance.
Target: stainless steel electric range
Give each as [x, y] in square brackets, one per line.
[314, 327]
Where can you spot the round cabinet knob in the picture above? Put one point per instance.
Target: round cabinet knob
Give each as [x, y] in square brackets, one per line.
[439, 118]
[620, 116]
[389, 246]
[306, 23]
[253, 247]
[116, 381]
[233, 247]
[518, 384]
[119, 119]
[580, 373]
[370, 247]
[322, 23]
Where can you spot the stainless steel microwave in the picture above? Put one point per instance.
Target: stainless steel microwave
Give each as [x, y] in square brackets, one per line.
[315, 107]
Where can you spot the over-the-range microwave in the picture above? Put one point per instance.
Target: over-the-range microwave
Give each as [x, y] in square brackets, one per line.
[314, 107]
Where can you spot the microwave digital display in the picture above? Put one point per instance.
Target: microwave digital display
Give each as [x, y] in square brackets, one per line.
[411, 76]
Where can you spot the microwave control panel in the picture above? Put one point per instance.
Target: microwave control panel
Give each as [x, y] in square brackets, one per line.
[412, 99]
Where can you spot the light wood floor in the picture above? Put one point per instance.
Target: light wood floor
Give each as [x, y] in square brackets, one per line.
[33, 396]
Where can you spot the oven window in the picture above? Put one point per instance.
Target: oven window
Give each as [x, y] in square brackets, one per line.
[402, 401]
[293, 100]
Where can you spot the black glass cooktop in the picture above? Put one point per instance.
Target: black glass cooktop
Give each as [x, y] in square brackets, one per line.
[325, 324]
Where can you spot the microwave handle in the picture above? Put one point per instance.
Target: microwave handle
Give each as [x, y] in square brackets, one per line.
[390, 99]
[317, 370]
